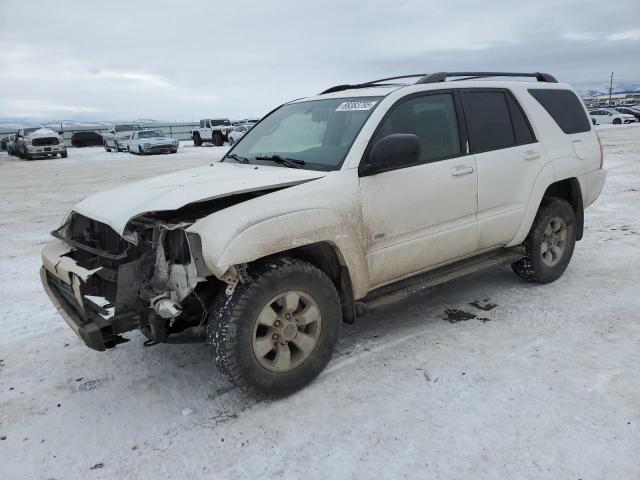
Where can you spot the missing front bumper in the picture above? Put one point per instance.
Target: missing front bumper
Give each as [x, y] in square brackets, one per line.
[64, 281]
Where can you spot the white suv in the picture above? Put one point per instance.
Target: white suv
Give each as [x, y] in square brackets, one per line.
[326, 203]
[601, 116]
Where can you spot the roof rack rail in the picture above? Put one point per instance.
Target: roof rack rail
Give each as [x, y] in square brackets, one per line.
[442, 76]
[339, 88]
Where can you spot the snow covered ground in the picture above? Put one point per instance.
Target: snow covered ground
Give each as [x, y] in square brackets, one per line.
[544, 383]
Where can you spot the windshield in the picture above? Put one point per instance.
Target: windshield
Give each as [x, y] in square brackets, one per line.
[318, 132]
[126, 128]
[28, 131]
[150, 133]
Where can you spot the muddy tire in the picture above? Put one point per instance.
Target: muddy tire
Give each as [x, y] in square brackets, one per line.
[278, 329]
[217, 139]
[197, 141]
[550, 243]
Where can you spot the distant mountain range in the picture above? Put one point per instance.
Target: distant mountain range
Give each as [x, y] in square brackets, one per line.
[593, 90]
[14, 123]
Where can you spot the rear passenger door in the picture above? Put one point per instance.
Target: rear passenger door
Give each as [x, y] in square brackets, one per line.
[508, 159]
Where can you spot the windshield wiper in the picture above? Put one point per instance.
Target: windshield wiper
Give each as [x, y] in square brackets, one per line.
[289, 162]
[237, 158]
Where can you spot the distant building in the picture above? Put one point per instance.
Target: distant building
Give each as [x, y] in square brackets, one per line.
[624, 98]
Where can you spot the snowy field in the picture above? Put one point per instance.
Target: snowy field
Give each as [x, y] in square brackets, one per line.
[543, 384]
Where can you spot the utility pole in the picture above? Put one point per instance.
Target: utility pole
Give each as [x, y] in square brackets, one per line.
[610, 88]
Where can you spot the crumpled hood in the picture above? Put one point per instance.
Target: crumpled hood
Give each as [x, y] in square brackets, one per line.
[169, 192]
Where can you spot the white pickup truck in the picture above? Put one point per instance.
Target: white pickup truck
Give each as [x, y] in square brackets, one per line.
[215, 131]
[326, 203]
[118, 135]
[33, 142]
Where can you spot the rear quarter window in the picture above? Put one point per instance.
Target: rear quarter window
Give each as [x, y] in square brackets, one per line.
[564, 107]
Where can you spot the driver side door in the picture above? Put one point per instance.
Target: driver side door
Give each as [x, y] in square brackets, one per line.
[422, 215]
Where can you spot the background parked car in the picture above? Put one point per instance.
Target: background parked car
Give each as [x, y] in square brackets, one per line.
[151, 141]
[238, 132]
[630, 111]
[39, 142]
[117, 135]
[10, 144]
[211, 130]
[86, 139]
[600, 116]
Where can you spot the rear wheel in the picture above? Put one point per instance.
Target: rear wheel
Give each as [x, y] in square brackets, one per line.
[278, 329]
[550, 243]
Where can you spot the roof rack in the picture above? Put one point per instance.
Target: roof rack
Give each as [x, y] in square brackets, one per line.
[442, 76]
[339, 88]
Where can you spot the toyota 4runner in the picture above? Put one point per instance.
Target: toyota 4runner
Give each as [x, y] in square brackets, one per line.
[326, 203]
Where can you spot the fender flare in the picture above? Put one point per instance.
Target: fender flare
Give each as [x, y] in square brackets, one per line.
[292, 230]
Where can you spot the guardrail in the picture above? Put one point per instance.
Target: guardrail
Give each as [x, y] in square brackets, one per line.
[179, 131]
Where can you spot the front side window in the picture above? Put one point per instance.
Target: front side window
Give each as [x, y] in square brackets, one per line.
[318, 132]
[432, 118]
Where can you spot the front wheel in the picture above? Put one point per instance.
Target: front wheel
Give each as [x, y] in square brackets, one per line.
[64, 154]
[278, 329]
[550, 243]
[197, 141]
[217, 140]
[617, 121]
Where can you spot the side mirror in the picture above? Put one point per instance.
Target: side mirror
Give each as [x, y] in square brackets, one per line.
[392, 151]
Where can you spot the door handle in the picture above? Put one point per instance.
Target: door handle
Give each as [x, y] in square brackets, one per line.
[462, 171]
[531, 155]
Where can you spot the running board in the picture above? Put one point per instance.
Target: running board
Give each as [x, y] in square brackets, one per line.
[447, 273]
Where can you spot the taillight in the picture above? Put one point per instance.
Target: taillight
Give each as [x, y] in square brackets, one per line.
[601, 150]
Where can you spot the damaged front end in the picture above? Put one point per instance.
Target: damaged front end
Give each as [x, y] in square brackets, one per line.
[104, 284]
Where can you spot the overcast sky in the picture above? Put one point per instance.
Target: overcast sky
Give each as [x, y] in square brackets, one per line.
[184, 60]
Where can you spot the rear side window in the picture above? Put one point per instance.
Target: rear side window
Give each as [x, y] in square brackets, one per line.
[521, 128]
[564, 107]
[488, 120]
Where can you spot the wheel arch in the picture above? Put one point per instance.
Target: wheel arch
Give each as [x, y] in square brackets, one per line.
[569, 189]
[320, 236]
[548, 186]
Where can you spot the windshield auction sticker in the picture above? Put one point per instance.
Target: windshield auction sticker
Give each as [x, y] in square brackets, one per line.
[355, 106]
